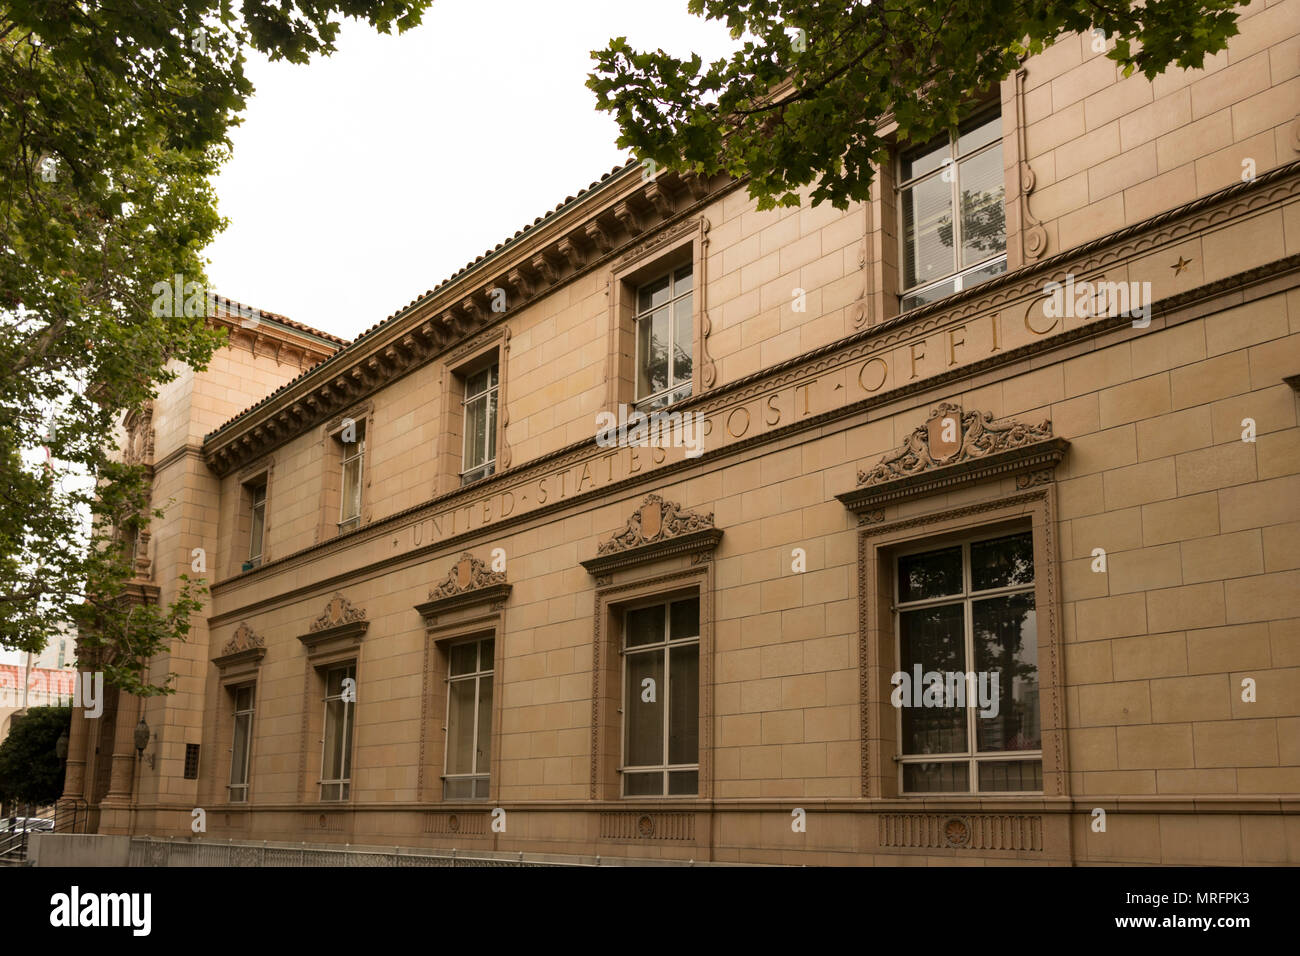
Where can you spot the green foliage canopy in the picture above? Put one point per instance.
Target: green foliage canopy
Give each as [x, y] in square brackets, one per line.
[803, 98]
[113, 119]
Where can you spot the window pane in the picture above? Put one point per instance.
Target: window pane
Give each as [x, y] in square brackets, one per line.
[483, 757]
[1011, 775]
[479, 382]
[683, 340]
[1006, 644]
[978, 131]
[923, 159]
[486, 649]
[645, 625]
[351, 488]
[933, 638]
[653, 372]
[244, 698]
[1002, 562]
[930, 294]
[239, 756]
[927, 232]
[684, 704]
[685, 619]
[643, 784]
[348, 717]
[255, 535]
[334, 680]
[481, 788]
[973, 278]
[476, 414]
[682, 280]
[333, 762]
[464, 658]
[936, 777]
[643, 710]
[683, 782]
[329, 791]
[928, 575]
[652, 294]
[490, 428]
[983, 215]
[457, 788]
[460, 727]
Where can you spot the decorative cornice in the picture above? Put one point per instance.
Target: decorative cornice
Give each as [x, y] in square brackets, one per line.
[340, 624]
[469, 582]
[244, 648]
[339, 610]
[468, 573]
[973, 435]
[657, 529]
[244, 639]
[955, 448]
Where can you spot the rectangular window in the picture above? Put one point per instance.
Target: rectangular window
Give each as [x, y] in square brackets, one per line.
[353, 440]
[469, 720]
[191, 761]
[967, 685]
[661, 699]
[336, 756]
[480, 455]
[241, 745]
[257, 498]
[951, 196]
[664, 339]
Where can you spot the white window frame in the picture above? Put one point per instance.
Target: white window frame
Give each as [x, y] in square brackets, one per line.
[665, 396]
[477, 676]
[959, 274]
[474, 471]
[238, 792]
[662, 647]
[966, 598]
[344, 784]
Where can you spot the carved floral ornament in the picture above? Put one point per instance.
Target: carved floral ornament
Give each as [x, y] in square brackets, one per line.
[337, 612]
[657, 529]
[244, 639]
[951, 436]
[954, 448]
[467, 574]
[654, 521]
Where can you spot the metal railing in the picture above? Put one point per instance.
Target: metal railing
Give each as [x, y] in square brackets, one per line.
[13, 847]
[181, 851]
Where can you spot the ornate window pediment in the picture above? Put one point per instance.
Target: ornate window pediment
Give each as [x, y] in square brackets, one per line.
[656, 530]
[468, 582]
[243, 652]
[955, 447]
[340, 625]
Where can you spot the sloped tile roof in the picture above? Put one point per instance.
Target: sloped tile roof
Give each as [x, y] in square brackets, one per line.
[348, 347]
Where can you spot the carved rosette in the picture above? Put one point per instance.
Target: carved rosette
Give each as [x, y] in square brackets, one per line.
[244, 640]
[655, 520]
[467, 574]
[950, 437]
[338, 611]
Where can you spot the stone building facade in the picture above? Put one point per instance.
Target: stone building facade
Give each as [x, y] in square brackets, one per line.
[964, 528]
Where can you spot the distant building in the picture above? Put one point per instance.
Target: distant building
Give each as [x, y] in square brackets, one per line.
[1029, 415]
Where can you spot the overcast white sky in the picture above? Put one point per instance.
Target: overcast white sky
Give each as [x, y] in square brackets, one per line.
[361, 180]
